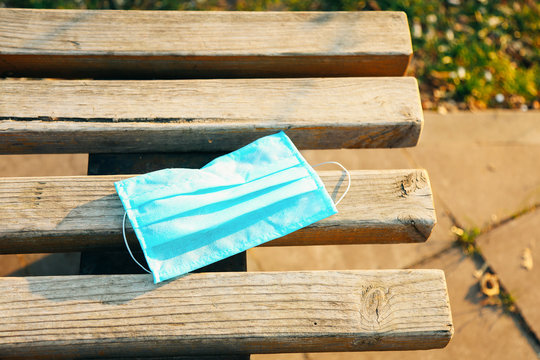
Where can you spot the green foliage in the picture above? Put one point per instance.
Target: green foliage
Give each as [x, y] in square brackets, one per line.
[508, 301]
[468, 53]
[480, 53]
[466, 239]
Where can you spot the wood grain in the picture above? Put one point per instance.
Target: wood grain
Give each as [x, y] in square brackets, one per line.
[81, 116]
[127, 315]
[61, 214]
[171, 44]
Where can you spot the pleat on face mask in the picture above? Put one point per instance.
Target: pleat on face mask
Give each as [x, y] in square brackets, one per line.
[185, 219]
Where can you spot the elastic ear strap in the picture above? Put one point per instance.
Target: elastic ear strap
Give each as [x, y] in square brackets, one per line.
[348, 177]
[129, 250]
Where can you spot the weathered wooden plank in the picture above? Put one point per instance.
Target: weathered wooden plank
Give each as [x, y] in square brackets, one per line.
[61, 214]
[56, 116]
[127, 315]
[167, 44]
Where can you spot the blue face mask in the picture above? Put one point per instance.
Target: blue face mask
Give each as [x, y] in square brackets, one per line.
[188, 218]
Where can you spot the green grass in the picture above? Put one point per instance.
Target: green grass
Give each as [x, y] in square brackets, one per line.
[469, 54]
[508, 301]
[466, 240]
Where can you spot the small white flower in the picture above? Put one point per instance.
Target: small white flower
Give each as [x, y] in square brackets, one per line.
[488, 75]
[417, 30]
[494, 21]
[443, 48]
[499, 98]
[461, 72]
[431, 18]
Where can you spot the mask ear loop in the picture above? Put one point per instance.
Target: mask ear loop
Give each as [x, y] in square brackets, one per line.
[126, 242]
[348, 177]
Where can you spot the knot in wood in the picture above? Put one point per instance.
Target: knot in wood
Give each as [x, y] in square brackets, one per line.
[373, 301]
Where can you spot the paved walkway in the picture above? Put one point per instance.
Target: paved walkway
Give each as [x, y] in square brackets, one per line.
[485, 173]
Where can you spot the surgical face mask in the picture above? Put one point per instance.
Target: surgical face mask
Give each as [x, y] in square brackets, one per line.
[185, 219]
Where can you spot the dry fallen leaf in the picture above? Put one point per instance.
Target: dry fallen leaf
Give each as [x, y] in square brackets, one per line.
[489, 284]
[526, 259]
[457, 231]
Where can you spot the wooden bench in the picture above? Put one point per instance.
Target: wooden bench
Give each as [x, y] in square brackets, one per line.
[141, 91]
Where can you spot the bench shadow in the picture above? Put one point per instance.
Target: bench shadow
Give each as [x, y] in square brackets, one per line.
[80, 280]
[45, 264]
[337, 188]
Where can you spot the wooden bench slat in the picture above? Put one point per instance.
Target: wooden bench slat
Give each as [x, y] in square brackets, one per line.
[60, 214]
[81, 116]
[170, 44]
[119, 315]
